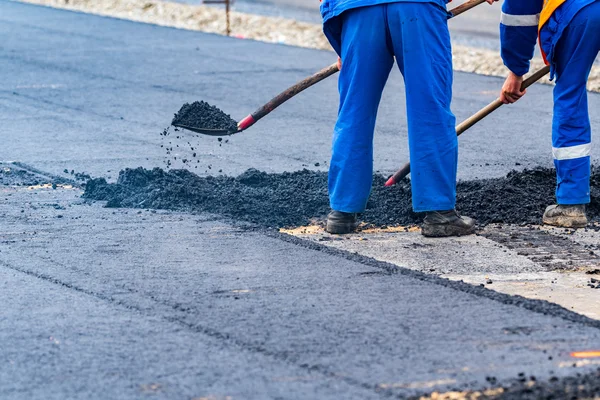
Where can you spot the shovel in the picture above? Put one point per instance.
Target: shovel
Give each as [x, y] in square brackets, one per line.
[270, 106]
[297, 88]
[469, 122]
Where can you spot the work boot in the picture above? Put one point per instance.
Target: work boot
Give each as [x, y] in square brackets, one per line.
[340, 222]
[567, 216]
[447, 223]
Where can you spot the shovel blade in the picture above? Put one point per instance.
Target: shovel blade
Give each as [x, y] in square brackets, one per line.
[204, 131]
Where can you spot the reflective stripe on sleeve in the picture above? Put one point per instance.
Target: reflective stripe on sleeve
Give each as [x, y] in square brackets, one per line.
[520, 20]
[569, 153]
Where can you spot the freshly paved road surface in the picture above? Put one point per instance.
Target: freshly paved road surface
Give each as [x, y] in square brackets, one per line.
[100, 303]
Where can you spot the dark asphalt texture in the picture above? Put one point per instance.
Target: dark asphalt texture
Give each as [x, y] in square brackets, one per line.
[200, 114]
[119, 303]
[300, 198]
[16, 177]
[580, 386]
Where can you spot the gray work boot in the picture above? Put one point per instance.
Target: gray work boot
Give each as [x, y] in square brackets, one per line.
[567, 216]
[340, 222]
[447, 223]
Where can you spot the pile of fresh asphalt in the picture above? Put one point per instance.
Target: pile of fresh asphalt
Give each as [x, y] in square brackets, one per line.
[300, 198]
[17, 177]
[200, 114]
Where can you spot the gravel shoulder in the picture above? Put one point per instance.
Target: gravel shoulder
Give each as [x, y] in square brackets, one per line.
[267, 29]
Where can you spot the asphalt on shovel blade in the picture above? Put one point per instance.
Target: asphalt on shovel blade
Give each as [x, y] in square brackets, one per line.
[203, 118]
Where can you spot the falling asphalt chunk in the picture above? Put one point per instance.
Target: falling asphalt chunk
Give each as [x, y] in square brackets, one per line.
[200, 114]
[300, 198]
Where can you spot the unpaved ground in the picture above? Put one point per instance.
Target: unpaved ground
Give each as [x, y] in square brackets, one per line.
[269, 29]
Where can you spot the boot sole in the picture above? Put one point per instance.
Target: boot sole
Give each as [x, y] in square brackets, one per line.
[340, 229]
[445, 231]
[566, 222]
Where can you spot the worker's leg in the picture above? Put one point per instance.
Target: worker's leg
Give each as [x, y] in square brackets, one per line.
[366, 64]
[421, 43]
[571, 133]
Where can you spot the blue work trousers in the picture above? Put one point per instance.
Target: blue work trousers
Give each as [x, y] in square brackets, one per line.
[572, 59]
[417, 35]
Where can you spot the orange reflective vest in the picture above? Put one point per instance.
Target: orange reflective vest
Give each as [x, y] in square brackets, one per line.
[549, 7]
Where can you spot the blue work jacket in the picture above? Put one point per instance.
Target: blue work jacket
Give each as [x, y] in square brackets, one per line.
[330, 9]
[519, 30]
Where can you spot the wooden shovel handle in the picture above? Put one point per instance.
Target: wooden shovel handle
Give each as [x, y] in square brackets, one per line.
[469, 122]
[286, 95]
[496, 104]
[465, 7]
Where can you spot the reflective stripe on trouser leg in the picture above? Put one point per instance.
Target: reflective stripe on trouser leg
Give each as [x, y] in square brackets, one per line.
[367, 63]
[571, 131]
[421, 41]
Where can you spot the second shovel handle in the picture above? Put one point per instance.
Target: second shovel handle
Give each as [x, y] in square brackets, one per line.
[478, 116]
[496, 104]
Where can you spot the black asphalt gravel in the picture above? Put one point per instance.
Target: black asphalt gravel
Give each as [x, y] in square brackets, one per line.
[10, 176]
[300, 198]
[200, 114]
[580, 386]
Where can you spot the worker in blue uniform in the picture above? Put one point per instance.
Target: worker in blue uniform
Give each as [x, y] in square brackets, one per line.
[569, 35]
[367, 35]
